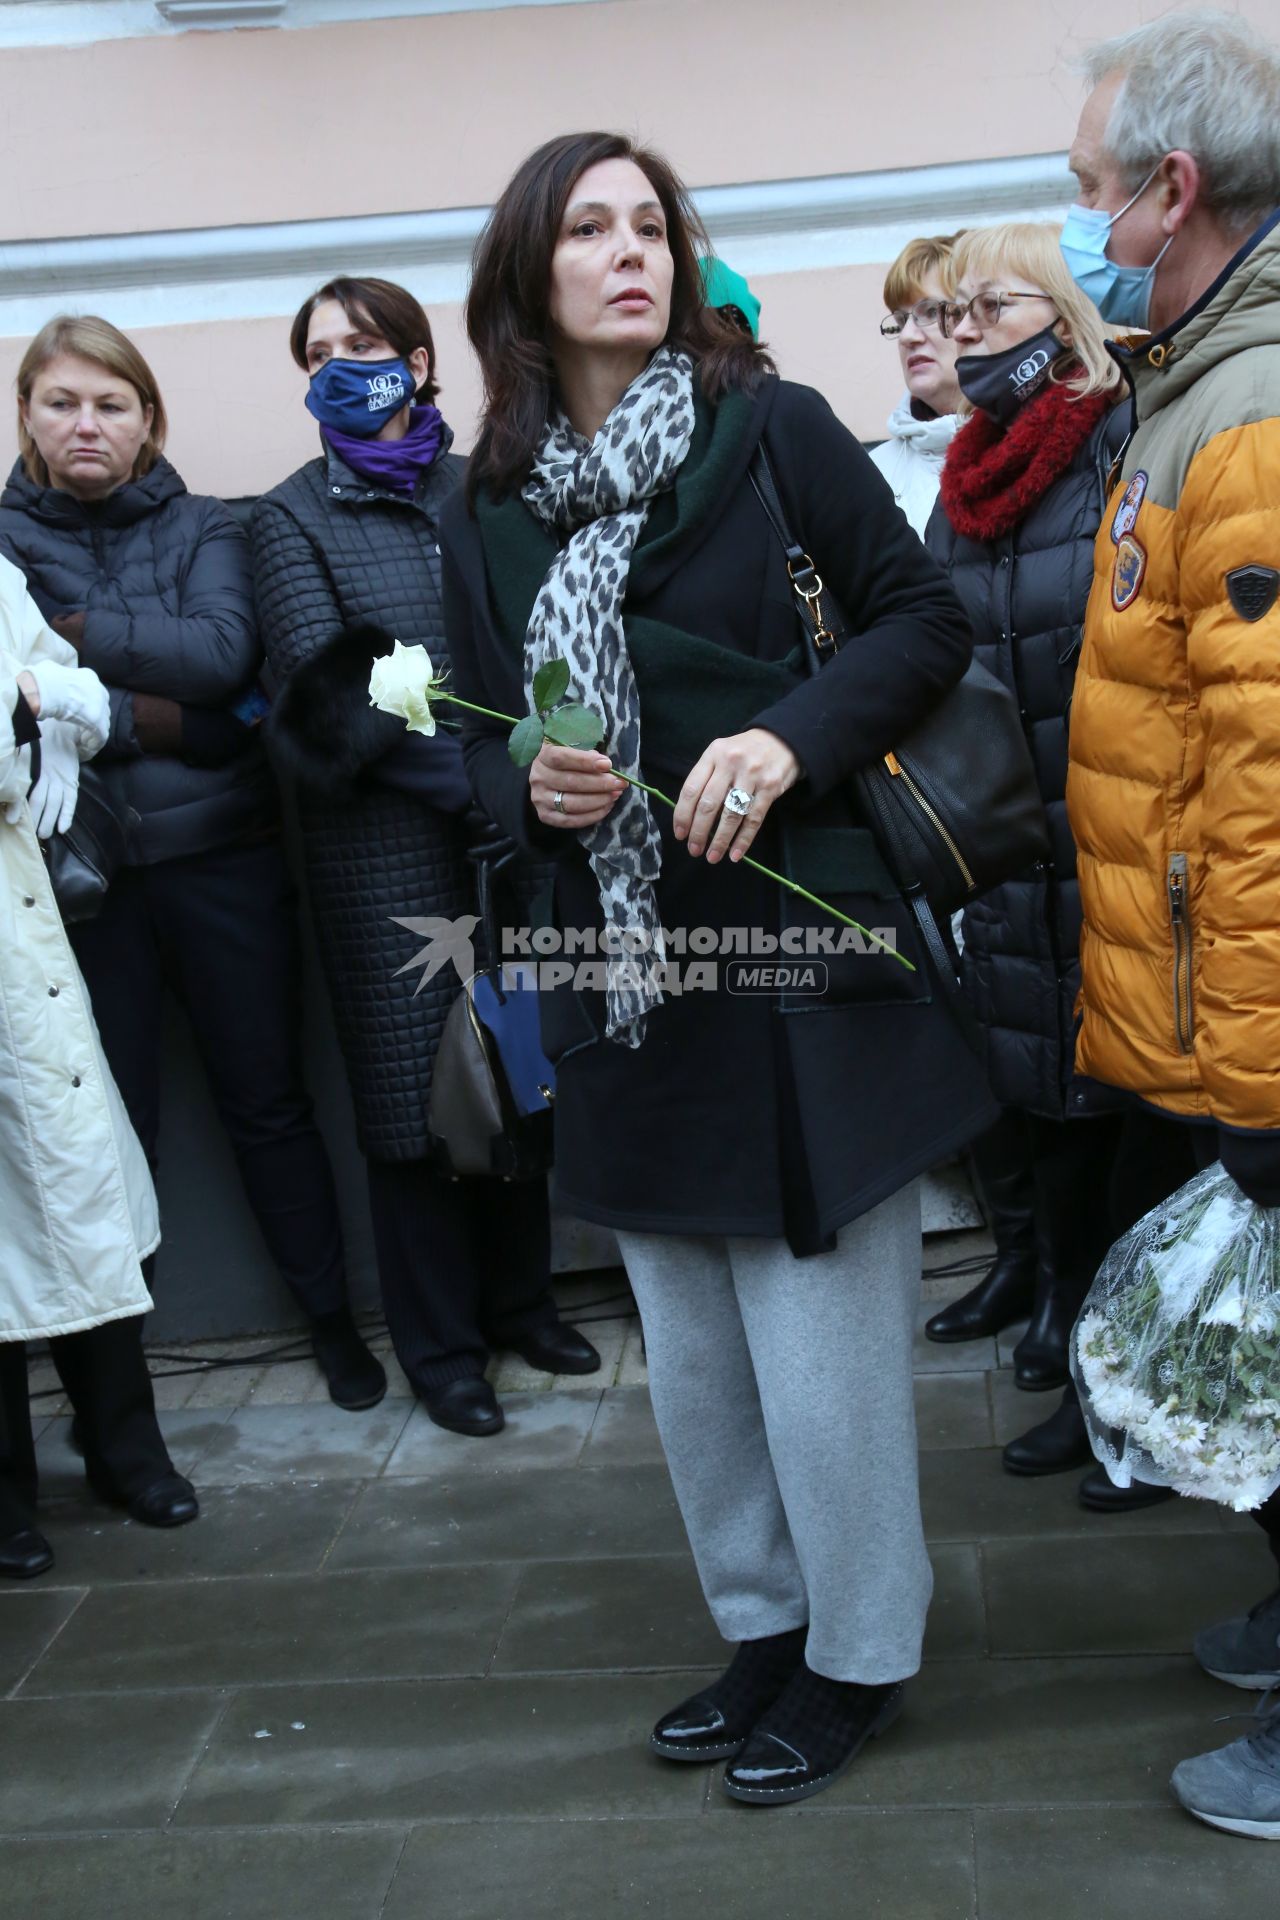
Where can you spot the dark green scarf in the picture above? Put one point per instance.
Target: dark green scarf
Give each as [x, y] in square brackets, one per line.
[691, 690]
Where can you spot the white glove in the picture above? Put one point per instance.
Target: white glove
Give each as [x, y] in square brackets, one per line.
[76, 695]
[53, 798]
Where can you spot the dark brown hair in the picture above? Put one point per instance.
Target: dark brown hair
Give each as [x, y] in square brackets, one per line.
[507, 308]
[383, 307]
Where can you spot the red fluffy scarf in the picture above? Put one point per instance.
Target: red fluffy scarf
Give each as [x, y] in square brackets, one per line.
[994, 475]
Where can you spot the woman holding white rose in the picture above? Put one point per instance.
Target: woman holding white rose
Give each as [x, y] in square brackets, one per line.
[346, 559]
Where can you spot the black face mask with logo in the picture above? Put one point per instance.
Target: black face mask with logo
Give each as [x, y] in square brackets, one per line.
[1000, 384]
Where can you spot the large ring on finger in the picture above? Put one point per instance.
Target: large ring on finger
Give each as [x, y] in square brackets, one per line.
[557, 801]
[738, 801]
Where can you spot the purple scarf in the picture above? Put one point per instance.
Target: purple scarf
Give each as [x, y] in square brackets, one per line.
[395, 465]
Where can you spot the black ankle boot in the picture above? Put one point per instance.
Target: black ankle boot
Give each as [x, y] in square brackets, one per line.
[356, 1379]
[1004, 1294]
[1057, 1445]
[1040, 1357]
[713, 1724]
[813, 1731]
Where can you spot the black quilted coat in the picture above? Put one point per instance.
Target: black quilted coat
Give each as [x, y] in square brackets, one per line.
[380, 808]
[163, 578]
[1025, 593]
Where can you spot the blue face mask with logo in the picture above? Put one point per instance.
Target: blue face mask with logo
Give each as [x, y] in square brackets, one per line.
[1121, 294]
[359, 396]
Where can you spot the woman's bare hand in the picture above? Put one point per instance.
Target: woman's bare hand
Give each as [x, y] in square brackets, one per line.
[756, 762]
[588, 787]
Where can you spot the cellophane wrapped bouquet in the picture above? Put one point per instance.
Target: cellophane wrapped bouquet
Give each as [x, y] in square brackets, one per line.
[1177, 1353]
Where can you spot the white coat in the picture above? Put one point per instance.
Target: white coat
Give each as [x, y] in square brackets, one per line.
[911, 459]
[77, 1207]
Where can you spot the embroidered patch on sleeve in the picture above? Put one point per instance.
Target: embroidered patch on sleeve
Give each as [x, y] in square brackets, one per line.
[1126, 515]
[1252, 590]
[1126, 573]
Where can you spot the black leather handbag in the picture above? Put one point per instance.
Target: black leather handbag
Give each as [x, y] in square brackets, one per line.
[492, 1087]
[84, 860]
[954, 808]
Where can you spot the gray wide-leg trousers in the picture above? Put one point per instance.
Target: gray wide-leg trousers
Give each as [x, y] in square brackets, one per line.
[783, 1394]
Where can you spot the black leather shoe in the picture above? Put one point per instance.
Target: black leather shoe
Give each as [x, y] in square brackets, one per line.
[713, 1724]
[1057, 1445]
[356, 1379]
[1097, 1494]
[25, 1554]
[466, 1406]
[1003, 1295]
[169, 1502]
[815, 1730]
[557, 1349]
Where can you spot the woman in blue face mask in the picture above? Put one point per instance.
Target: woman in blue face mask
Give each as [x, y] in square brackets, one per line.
[1024, 490]
[346, 559]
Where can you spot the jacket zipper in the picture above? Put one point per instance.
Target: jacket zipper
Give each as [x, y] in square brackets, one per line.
[1180, 921]
[931, 814]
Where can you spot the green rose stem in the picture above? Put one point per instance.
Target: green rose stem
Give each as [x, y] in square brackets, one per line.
[792, 886]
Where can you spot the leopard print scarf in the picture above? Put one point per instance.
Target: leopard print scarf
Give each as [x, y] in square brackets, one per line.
[600, 493]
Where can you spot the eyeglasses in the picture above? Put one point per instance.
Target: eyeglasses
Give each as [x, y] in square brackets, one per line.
[984, 310]
[925, 313]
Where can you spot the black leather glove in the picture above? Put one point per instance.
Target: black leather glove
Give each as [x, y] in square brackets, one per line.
[1253, 1161]
[484, 837]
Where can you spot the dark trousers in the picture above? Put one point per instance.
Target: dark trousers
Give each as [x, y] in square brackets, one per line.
[105, 1375]
[220, 931]
[463, 1264]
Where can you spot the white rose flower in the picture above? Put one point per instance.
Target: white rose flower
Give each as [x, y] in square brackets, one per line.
[402, 683]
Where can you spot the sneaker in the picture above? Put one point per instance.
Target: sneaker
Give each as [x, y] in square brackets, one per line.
[1237, 1788]
[1245, 1652]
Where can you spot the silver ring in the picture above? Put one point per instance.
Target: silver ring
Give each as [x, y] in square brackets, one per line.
[557, 801]
[737, 801]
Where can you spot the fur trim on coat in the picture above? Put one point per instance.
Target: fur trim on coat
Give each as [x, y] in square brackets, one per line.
[322, 731]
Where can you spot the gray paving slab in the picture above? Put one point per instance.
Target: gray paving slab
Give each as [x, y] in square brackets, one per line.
[625, 1433]
[969, 1496]
[1122, 1594]
[311, 1442]
[601, 1615]
[188, 1432]
[569, 1513]
[247, 1632]
[953, 1412]
[241, 1530]
[543, 1430]
[1028, 1733]
[98, 1762]
[896, 1866]
[957, 1624]
[201, 1876]
[479, 1749]
[1117, 1864]
[30, 1617]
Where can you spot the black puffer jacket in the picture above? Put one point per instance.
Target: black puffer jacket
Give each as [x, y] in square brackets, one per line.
[380, 808]
[163, 578]
[1025, 594]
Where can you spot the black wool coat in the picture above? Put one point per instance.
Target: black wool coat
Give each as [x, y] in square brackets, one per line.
[754, 1112]
[380, 808]
[163, 578]
[1025, 594]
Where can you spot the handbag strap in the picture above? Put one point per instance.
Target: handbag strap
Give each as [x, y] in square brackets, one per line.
[823, 630]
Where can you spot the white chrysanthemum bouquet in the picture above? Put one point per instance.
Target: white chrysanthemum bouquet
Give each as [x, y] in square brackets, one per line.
[1177, 1352]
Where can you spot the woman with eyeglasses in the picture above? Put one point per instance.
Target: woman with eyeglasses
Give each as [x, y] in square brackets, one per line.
[923, 424]
[1024, 490]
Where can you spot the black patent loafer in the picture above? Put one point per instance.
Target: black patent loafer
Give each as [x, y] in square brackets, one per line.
[697, 1731]
[170, 1502]
[1097, 1495]
[771, 1771]
[25, 1554]
[467, 1406]
[557, 1349]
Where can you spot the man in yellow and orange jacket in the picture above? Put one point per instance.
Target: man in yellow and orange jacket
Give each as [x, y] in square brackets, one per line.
[1174, 784]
